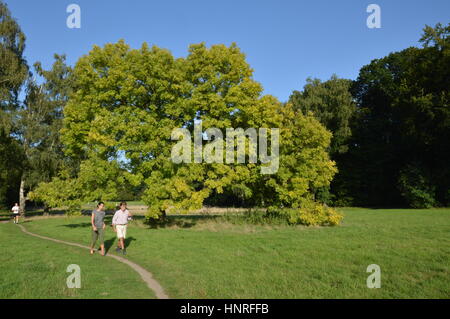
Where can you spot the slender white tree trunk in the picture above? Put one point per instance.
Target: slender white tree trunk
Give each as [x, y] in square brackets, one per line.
[22, 196]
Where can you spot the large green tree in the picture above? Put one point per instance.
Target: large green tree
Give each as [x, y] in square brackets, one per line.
[38, 122]
[13, 74]
[11, 157]
[332, 104]
[127, 102]
[13, 67]
[400, 145]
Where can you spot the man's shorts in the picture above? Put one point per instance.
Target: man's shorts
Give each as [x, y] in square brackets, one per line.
[121, 231]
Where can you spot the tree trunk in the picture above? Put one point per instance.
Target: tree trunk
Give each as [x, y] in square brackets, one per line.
[22, 197]
[46, 209]
[163, 215]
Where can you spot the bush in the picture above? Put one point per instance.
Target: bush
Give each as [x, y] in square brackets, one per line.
[111, 207]
[74, 212]
[311, 214]
[319, 215]
[155, 217]
[271, 216]
[415, 188]
[342, 199]
[324, 195]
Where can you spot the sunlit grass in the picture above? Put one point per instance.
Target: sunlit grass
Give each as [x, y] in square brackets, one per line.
[35, 268]
[207, 257]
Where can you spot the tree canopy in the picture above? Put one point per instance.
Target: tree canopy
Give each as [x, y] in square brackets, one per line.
[127, 102]
[400, 146]
[332, 104]
[13, 74]
[108, 128]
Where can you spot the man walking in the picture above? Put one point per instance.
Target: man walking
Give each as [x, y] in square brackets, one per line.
[16, 211]
[119, 223]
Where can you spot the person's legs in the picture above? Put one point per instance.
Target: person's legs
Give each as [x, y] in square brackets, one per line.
[122, 243]
[94, 240]
[124, 234]
[16, 219]
[119, 235]
[101, 236]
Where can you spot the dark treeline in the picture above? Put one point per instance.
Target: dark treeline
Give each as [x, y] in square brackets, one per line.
[391, 126]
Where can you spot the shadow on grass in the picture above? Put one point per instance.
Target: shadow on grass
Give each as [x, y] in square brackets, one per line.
[107, 221]
[110, 242]
[177, 221]
[25, 221]
[181, 221]
[61, 212]
[128, 241]
[76, 225]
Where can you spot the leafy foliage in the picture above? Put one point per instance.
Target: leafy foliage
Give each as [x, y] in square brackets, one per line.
[311, 214]
[332, 104]
[13, 73]
[403, 119]
[416, 188]
[125, 104]
[13, 67]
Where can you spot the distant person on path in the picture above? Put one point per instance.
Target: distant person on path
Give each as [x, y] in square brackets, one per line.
[98, 227]
[119, 223]
[16, 213]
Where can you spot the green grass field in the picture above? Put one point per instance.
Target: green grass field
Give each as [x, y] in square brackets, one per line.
[204, 257]
[35, 268]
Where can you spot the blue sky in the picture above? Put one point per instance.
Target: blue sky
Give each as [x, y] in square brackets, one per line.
[284, 41]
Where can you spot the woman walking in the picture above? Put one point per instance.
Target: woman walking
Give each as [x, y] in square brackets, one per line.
[98, 227]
